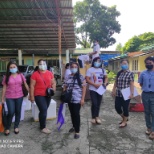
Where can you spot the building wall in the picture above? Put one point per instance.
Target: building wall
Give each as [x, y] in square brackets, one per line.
[28, 60]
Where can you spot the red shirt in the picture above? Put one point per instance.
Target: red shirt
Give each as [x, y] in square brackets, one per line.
[40, 78]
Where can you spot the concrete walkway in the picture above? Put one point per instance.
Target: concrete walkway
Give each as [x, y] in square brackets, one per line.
[107, 138]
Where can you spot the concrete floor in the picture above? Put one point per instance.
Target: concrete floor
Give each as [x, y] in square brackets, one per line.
[106, 138]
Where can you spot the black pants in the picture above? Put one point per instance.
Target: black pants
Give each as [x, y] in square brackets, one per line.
[14, 107]
[43, 103]
[80, 63]
[96, 103]
[122, 106]
[75, 115]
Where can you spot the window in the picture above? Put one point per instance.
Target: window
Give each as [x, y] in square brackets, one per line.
[53, 62]
[135, 65]
[2, 66]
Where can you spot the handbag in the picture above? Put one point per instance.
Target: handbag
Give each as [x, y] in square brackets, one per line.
[49, 91]
[1, 120]
[24, 90]
[4, 116]
[66, 95]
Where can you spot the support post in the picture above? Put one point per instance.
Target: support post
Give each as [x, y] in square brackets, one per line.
[59, 48]
[20, 57]
[67, 56]
[33, 57]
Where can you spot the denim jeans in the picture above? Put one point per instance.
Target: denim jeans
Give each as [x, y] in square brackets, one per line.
[96, 102]
[122, 106]
[75, 115]
[43, 103]
[148, 102]
[14, 107]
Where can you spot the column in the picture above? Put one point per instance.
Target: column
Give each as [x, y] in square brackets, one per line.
[20, 57]
[67, 56]
[33, 57]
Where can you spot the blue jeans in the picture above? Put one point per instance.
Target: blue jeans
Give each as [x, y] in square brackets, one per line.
[43, 103]
[14, 107]
[148, 102]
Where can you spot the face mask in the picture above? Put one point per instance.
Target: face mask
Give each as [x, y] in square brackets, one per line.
[43, 67]
[124, 67]
[97, 64]
[149, 67]
[13, 70]
[74, 70]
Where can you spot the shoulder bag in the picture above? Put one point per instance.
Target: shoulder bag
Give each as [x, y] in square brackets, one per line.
[66, 95]
[49, 91]
[24, 90]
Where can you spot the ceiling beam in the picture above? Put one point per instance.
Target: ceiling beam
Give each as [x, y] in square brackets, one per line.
[35, 9]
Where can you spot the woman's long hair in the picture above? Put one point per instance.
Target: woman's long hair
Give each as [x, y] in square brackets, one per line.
[8, 73]
[77, 75]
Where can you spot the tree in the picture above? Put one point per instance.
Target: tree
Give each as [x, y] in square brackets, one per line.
[136, 43]
[96, 22]
[132, 44]
[119, 47]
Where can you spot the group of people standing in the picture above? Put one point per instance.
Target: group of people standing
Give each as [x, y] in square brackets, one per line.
[96, 76]
[12, 93]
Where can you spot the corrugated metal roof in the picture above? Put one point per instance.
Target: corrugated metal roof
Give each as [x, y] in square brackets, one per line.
[33, 24]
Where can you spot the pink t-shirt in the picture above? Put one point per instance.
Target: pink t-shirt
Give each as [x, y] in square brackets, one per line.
[14, 87]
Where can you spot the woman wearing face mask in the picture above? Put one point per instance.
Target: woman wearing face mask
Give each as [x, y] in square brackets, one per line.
[125, 79]
[94, 77]
[40, 81]
[76, 82]
[12, 92]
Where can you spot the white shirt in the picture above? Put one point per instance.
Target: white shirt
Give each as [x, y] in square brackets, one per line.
[67, 73]
[96, 48]
[84, 58]
[96, 75]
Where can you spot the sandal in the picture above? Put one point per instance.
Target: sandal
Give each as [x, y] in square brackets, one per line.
[76, 136]
[7, 132]
[151, 136]
[93, 121]
[16, 130]
[123, 125]
[122, 121]
[98, 121]
[148, 132]
[46, 131]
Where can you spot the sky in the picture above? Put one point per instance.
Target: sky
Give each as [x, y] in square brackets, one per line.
[136, 18]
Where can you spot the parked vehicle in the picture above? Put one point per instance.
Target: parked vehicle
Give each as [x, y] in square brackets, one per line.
[27, 71]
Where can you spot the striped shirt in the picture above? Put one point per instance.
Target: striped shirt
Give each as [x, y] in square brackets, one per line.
[123, 81]
[77, 90]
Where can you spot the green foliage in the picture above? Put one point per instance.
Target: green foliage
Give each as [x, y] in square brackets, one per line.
[96, 22]
[136, 43]
[111, 76]
[119, 48]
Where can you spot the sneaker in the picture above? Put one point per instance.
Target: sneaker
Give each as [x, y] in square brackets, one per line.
[93, 121]
[71, 130]
[46, 131]
[98, 121]
[76, 136]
